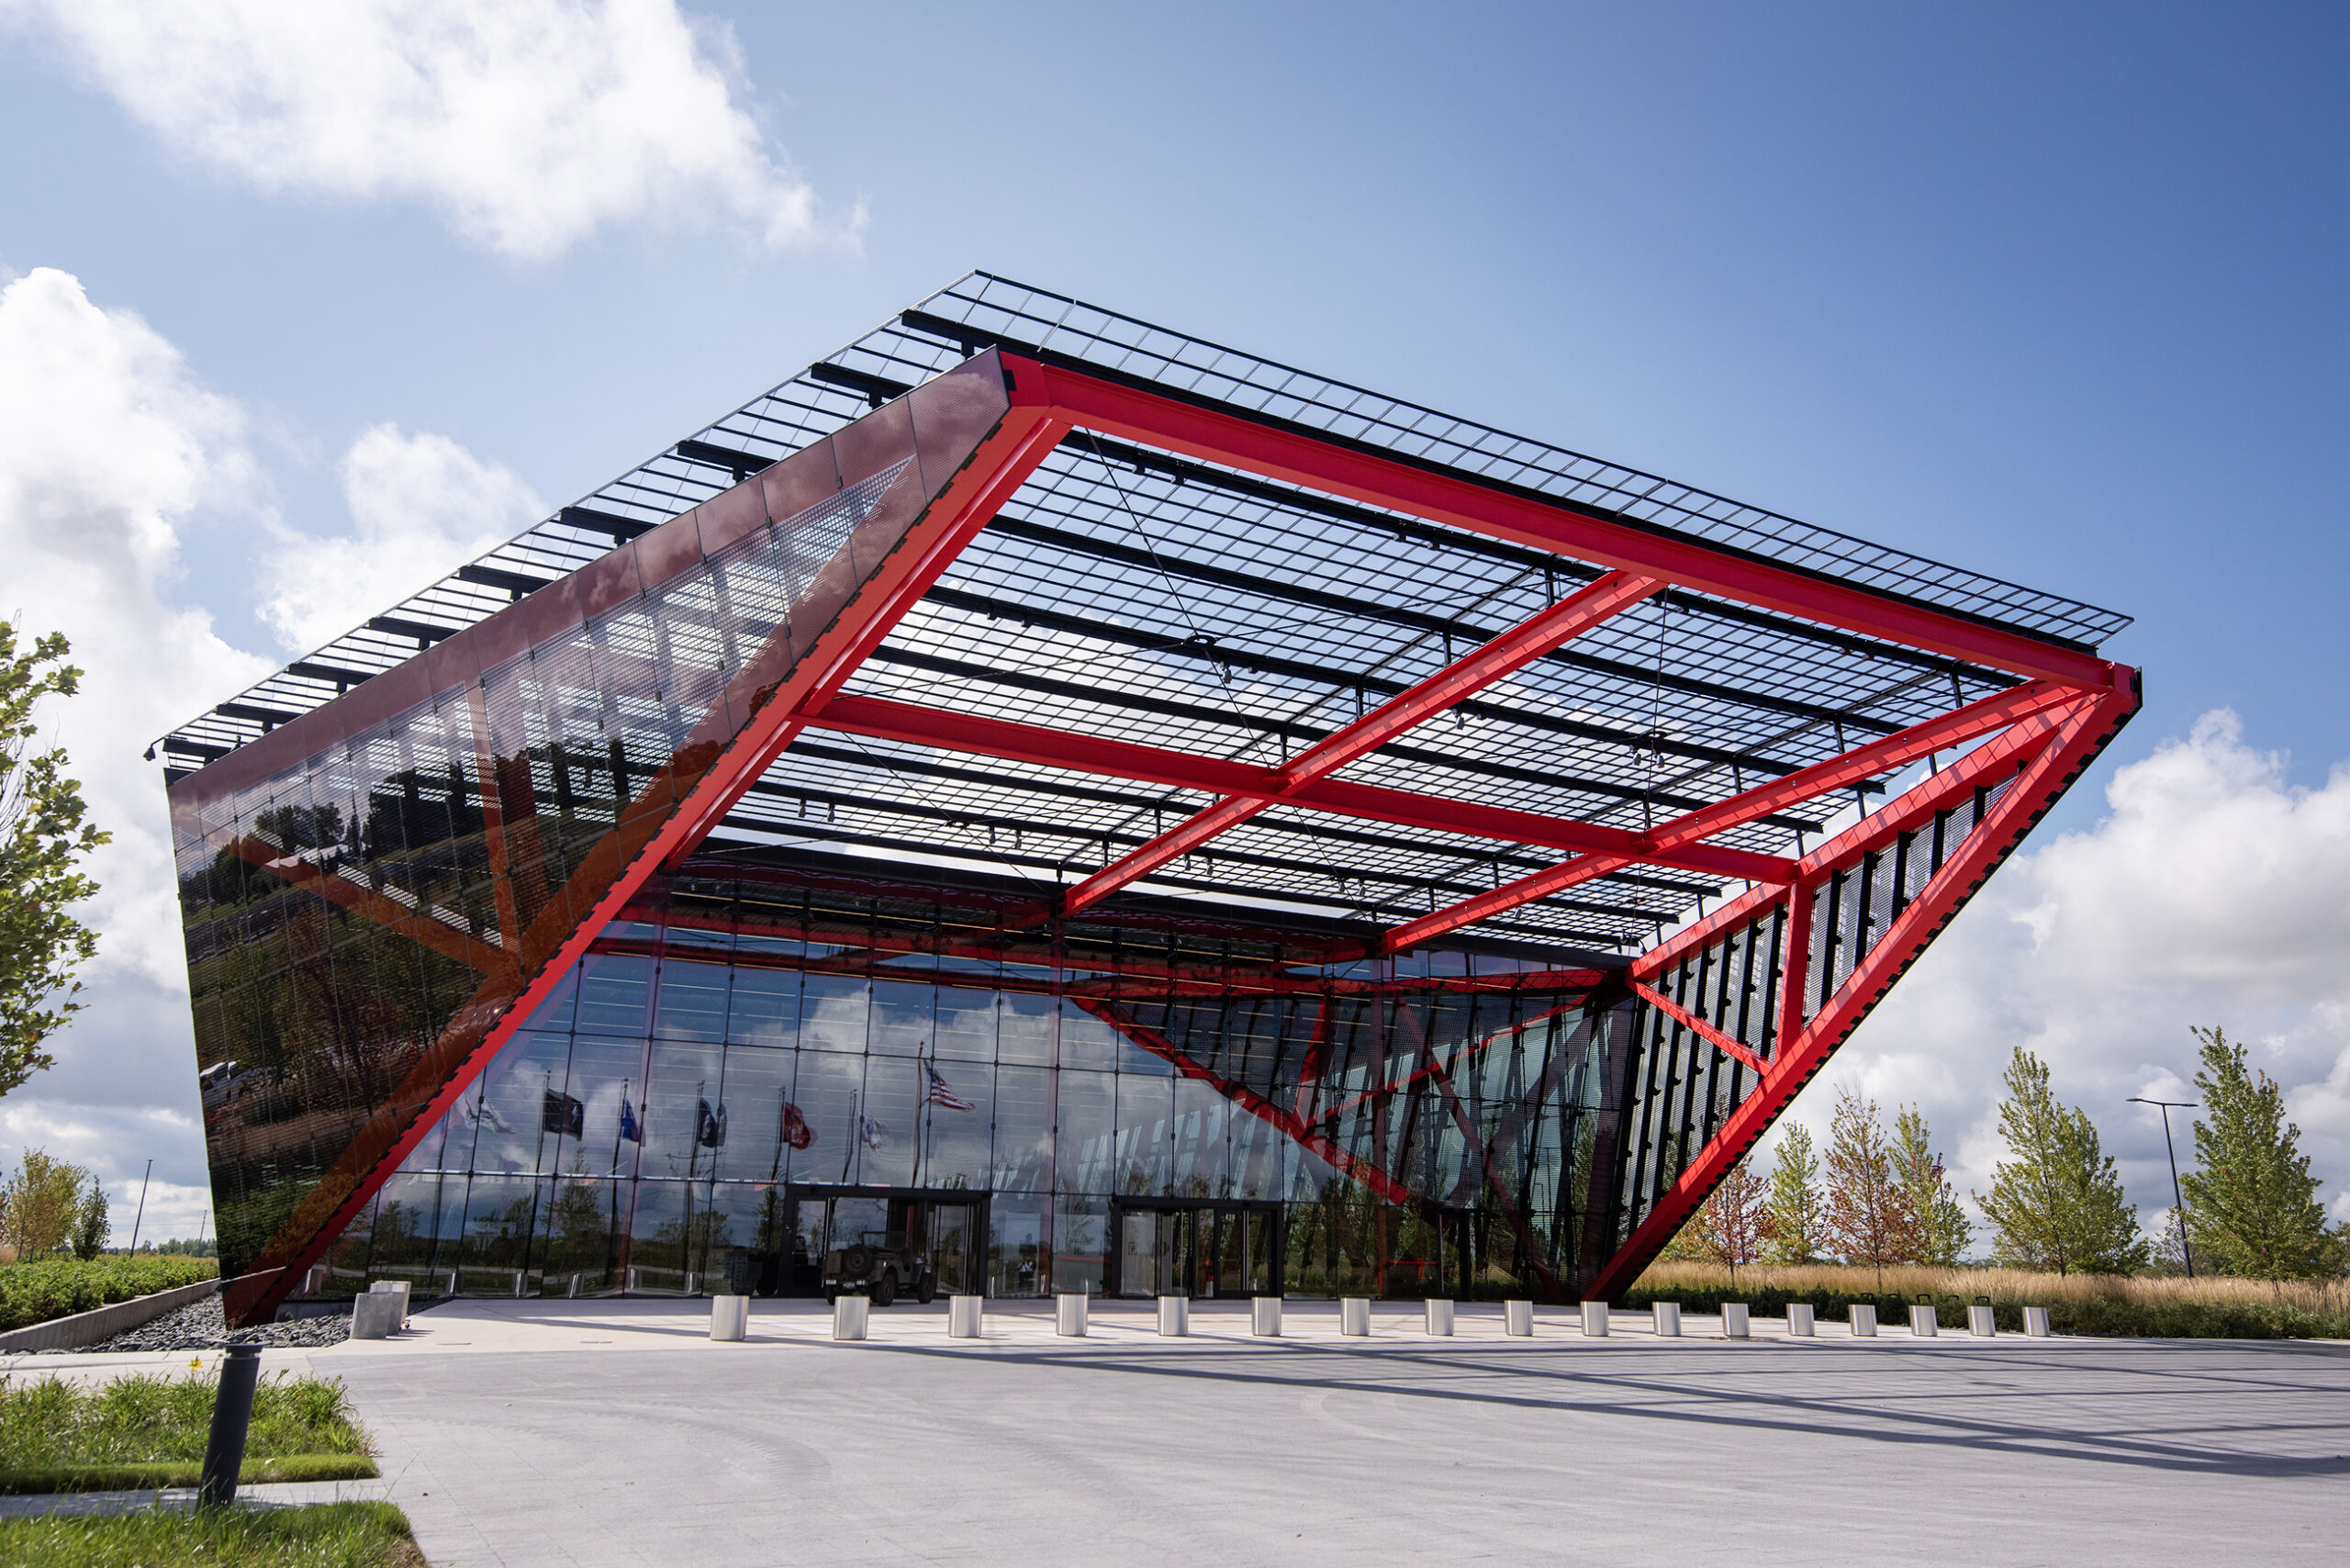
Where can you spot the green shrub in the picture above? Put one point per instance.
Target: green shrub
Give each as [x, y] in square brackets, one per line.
[59, 1287]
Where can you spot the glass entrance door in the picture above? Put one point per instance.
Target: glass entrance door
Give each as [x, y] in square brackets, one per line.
[1202, 1250]
[937, 1238]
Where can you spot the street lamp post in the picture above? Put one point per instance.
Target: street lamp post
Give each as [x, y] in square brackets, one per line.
[142, 1216]
[2178, 1199]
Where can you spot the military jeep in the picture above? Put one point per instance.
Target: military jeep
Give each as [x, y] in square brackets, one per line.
[879, 1264]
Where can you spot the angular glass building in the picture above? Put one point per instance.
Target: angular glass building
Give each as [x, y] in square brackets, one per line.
[1049, 803]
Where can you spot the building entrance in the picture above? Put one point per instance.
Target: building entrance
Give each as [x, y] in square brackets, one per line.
[926, 1240]
[1191, 1247]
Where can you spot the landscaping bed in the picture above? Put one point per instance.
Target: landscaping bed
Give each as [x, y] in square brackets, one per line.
[59, 1287]
[2117, 1306]
[150, 1431]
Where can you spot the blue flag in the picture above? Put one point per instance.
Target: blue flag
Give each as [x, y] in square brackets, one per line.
[631, 1128]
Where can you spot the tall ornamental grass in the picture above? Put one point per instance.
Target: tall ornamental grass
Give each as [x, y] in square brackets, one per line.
[2117, 1305]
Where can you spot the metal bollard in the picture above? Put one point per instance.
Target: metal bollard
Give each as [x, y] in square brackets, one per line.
[963, 1316]
[1069, 1314]
[1666, 1318]
[1864, 1316]
[1734, 1320]
[375, 1315]
[2035, 1322]
[232, 1412]
[1439, 1317]
[1518, 1319]
[1265, 1316]
[1924, 1323]
[1595, 1319]
[729, 1318]
[1174, 1316]
[1982, 1322]
[1354, 1316]
[850, 1313]
[1802, 1323]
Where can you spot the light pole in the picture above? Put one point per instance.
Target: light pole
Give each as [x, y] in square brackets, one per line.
[142, 1208]
[2185, 1248]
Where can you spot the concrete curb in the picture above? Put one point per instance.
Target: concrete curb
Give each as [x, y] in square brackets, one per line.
[89, 1328]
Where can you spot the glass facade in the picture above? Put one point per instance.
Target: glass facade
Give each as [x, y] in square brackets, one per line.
[371, 889]
[765, 1063]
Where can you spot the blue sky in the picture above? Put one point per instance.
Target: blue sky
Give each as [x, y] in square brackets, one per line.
[2050, 292]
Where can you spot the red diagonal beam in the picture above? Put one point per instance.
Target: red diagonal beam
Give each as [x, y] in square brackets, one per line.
[978, 736]
[1399, 1085]
[2063, 747]
[1314, 1142]
[1321, 463]
[1898, 750]
[722, 756]
[1504, 657]
[1697, 1025]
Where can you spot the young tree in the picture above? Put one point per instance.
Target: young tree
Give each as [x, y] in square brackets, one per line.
[2058, 1203]
[1944, 1232]
[40, 1205]
[91, 1226]
[1868, 1218]
[2251, 1203]
[43, 836]
[1794, 1222]
[1727, 1227]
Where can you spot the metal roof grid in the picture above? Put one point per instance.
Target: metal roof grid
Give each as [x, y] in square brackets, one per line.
[1103, 537]
[1000, 309]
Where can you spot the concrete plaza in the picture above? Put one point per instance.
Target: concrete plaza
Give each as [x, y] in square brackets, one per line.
[614, 1432]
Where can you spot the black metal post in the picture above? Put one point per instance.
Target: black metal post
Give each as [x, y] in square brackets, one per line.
[232, 1412]
[2177, 1198]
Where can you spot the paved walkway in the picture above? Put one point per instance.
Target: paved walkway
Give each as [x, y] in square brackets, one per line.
[616, 1433]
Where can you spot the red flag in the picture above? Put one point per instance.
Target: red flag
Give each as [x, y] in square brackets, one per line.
[796, 1130]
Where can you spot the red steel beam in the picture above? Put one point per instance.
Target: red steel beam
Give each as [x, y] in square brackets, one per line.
[1995, 757]
[1550, 628]
[718, 764]
[1697, 1025]
[1302, 458]
[979, 736]
[1312, 1140]
[2058, 751]
[1898, 750]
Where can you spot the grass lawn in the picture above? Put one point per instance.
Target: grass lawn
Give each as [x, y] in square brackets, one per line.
[325, 1535]
[143, 1431]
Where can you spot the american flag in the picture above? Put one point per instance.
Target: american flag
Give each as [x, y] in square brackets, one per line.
[940, 1094]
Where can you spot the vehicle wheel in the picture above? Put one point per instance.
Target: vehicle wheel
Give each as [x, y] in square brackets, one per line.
[928, 1291]
[885, 1288]
[857, 1262]
[831, 1297]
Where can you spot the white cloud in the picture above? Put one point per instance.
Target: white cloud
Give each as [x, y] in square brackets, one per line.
[528, 124]
[114, 460]
[421, 506]
[2213, 893]
[107, 447]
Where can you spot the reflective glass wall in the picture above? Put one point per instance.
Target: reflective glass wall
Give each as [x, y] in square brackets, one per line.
[770, 1062]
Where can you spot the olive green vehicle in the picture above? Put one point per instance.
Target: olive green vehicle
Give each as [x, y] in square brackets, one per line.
[881, 1265]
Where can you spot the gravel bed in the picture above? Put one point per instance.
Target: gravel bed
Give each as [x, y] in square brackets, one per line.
[201, 1325]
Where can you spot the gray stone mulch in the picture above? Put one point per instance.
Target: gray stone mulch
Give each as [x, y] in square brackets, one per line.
[201, 1325]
